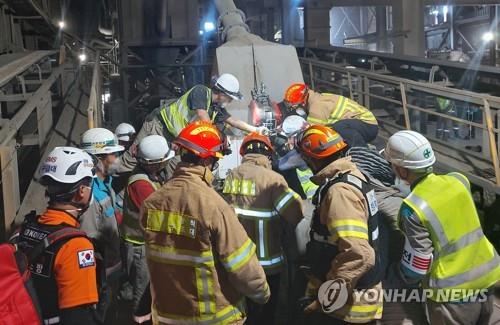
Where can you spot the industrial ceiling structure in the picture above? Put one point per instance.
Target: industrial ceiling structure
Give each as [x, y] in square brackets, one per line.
[115, 60]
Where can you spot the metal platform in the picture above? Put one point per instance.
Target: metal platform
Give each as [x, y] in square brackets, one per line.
[401, 103]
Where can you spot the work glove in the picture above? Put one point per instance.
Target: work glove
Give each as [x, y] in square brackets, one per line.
[262, 130]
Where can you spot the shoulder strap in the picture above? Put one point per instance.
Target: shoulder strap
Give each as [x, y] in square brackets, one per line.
[57, 236]
[142, 177]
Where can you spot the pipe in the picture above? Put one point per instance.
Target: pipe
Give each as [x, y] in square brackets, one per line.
[232, 18]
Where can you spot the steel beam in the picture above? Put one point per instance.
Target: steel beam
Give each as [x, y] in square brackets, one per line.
[15, 68]
[20, 117]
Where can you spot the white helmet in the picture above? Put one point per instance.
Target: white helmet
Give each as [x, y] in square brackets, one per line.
[67, 165]
[123, 131]
[154, 149]
[229, 85]
[409, 149]
[99, 141]
[293, 124]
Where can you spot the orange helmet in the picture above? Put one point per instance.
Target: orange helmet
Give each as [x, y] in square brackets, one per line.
[201, 138]
[297, 94]
[319, 141]
[256, 140]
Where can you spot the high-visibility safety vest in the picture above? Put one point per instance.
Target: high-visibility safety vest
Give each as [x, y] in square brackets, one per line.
[307, 185]
[463, 258]
[178, 114]
[130, 227]
[345, 108]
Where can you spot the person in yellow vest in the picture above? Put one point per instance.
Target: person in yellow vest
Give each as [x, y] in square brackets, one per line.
[152, 154]
[198, 103]
[343, 252]
[445, 249]
[201, 261]
[260, 196]
[355, 123]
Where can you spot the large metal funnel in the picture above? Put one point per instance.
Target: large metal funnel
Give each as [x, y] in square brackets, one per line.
[276, 65]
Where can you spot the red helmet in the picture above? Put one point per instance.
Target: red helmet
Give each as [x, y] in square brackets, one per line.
[319, 141]
[258, 140]
[297, 94]
[202, 139]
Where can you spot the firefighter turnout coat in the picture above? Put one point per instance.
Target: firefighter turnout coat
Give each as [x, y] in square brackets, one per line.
[260, 197]
[201, 261]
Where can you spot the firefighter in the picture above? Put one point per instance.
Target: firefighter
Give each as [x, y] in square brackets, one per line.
[260, 197]
[355, 123]
[65, 273]
[198, 103]
[201, 261]
[101, 220]
[344, 231]
[445, 247]
[152, 155]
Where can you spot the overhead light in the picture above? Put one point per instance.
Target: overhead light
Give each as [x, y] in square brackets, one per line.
[488, 37]
[61, 24]
[82, 57]
[208, 26]
[201, 32]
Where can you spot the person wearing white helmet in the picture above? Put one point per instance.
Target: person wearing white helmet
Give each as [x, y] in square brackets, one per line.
[445, 248]
[125, 134]
[198, 103]
[153, 154]
[101, 220]
[64, 273]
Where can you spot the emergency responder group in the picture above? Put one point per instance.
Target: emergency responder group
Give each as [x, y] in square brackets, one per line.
[182, 253]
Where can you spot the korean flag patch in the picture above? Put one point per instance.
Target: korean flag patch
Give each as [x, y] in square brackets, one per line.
[86, 258]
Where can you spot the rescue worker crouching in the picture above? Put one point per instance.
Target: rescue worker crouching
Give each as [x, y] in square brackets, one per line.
[355, 123]
[260, 196]
[202, 263]
[65, 274]
[101, 220]
[152, 155]
[344, 232]
[445, 248]
[198, 103]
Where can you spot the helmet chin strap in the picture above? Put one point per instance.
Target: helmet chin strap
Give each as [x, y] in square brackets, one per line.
[81, 208]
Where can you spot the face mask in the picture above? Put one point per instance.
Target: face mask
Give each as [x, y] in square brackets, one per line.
[113, 169]
[402, 186]
[300, 112]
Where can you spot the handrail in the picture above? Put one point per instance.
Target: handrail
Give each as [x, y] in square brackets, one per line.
[356, 82]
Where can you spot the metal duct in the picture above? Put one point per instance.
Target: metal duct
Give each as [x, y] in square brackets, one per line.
[243, 53]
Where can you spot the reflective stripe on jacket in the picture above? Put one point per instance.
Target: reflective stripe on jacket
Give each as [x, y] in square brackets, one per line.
[307, 185]
[329, 108]
[200, 259]
[260, 196]
[463, 256]
[178, 114]
[130, 228]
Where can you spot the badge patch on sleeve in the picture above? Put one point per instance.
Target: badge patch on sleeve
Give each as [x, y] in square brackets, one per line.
[86, 258]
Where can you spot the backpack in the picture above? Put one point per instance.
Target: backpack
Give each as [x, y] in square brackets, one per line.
[19, 303]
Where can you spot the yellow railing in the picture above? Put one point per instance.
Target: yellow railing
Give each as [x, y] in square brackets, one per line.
[407, 104]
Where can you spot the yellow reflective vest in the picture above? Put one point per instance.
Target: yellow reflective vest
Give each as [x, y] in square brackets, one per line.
[464, 260]
[178, 114]
[307, 185]
[130, 228]
[326, 109]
